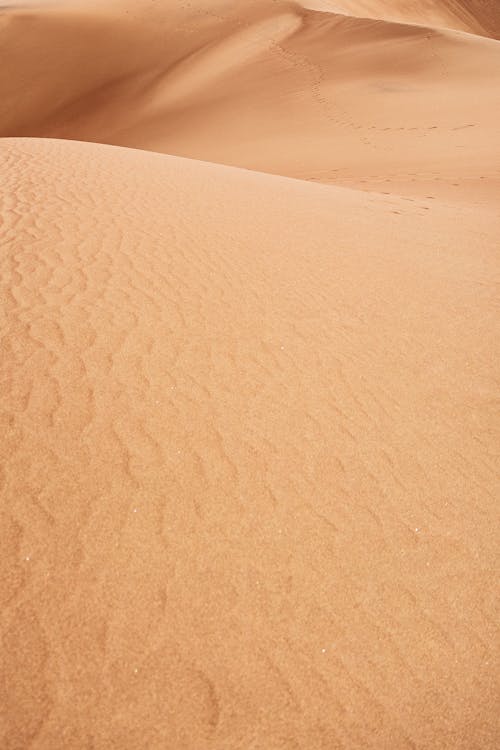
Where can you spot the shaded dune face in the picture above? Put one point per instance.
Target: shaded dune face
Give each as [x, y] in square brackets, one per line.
[249, 435]
[249, 475]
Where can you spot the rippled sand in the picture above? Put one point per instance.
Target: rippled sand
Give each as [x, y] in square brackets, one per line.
[249, 375]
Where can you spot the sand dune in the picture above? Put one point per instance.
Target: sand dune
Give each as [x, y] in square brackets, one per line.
[250, 466]
[249, 457]
[267, 86]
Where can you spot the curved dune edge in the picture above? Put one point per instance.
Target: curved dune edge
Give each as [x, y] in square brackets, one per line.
[249, 459]
[474, 16]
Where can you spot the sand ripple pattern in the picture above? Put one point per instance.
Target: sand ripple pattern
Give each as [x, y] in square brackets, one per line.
[249, 460]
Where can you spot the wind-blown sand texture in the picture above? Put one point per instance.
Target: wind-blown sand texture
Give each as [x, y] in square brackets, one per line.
[249, 398]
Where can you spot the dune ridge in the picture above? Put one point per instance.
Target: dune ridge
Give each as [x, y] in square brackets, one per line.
[249, 375]
[474, 16]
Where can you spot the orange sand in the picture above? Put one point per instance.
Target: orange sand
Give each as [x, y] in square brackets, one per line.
[250, 427]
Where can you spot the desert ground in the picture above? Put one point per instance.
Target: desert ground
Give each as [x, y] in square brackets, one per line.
[249, 387]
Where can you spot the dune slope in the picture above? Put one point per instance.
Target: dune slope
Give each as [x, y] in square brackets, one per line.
[250, 459]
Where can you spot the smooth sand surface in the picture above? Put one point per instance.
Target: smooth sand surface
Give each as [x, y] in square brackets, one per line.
[250, 424]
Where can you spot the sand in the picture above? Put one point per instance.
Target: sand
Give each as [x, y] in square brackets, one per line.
[250, 429]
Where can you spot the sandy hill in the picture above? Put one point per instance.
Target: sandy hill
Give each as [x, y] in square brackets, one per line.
[249, 460]
[249, 375]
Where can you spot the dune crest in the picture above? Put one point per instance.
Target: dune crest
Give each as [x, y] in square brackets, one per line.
[474, 16]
